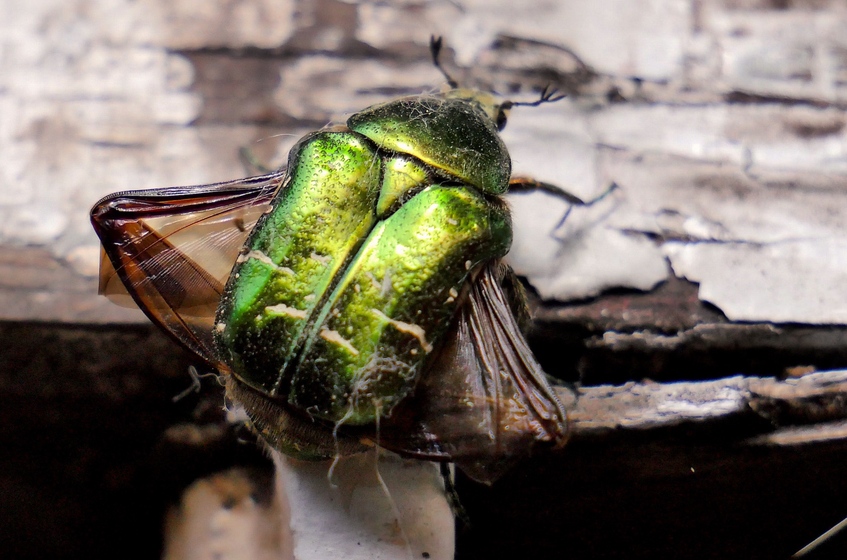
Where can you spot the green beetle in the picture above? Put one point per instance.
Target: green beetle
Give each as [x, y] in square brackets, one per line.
[355, 297]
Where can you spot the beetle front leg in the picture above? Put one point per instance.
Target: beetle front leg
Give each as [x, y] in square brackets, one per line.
[528, 184]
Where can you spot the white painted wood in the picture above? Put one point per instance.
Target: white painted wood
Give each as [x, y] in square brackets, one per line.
[363, 508]
[94, 98]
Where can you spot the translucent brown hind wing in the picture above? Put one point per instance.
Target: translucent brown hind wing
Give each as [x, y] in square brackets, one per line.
[172, 250]
[485, 402]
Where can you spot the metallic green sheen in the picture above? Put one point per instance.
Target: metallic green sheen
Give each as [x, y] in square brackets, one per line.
[294, 254]
[450, 134]
[400, 176]
[394, 302]
[353, 277]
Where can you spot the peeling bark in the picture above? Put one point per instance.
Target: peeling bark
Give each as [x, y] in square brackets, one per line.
[767, 404]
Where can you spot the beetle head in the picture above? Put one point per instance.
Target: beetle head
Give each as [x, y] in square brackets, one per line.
[496, 109]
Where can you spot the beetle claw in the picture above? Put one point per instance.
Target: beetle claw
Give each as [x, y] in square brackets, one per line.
[435, 46]
[548, 95]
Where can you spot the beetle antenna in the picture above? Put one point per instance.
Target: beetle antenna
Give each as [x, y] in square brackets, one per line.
[548, 95]
[435, 44]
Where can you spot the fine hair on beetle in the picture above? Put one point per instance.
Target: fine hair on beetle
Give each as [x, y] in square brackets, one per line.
[379, 366]
[356, 297]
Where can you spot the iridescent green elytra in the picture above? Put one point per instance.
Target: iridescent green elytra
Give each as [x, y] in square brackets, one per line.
[348, 283]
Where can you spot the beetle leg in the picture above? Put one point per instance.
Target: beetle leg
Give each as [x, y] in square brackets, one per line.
[528, 184]
[448, 477]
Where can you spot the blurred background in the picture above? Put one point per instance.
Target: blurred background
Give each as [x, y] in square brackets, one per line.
[723, 251]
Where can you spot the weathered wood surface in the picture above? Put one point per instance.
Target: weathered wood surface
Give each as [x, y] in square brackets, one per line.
[96, 450]
[720, 260]
[810, 399]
